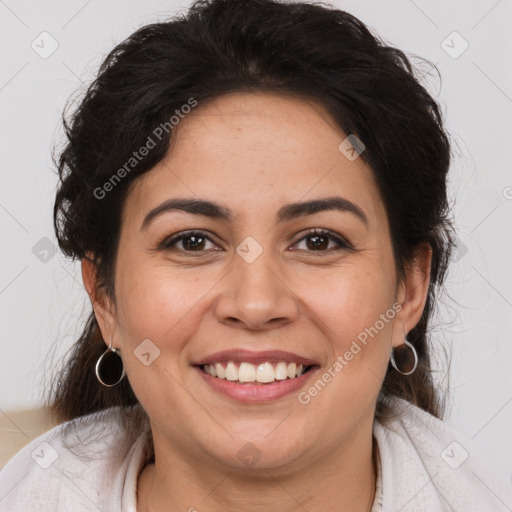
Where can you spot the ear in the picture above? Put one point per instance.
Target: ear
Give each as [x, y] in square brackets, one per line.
[413, 291]
[102, 305]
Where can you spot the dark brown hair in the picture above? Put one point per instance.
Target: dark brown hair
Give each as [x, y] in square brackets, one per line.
[311, 51]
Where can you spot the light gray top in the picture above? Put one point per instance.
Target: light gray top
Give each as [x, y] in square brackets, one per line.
[423, 466]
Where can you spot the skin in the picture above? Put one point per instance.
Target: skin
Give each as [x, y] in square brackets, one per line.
[253, 153]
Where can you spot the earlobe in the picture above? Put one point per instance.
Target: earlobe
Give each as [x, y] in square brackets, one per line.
[414, 289]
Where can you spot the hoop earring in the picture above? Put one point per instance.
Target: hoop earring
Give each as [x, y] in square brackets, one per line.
[415, 365]
[109, 367]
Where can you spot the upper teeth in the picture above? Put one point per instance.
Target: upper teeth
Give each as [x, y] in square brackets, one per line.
[247, 372]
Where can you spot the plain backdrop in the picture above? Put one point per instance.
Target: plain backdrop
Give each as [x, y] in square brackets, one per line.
[51, 49]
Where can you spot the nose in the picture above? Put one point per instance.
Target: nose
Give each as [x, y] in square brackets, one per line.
[255, 296]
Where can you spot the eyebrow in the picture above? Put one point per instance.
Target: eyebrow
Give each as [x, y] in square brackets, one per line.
[286, 213]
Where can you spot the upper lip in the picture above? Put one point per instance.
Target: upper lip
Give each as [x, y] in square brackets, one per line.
[241, 355]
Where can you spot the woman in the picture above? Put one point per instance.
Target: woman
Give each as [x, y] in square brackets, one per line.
[257, 193]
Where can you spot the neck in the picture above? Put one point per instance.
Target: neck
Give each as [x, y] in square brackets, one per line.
[343, 479]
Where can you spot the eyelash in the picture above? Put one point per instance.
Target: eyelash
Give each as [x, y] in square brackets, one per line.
[168, 243]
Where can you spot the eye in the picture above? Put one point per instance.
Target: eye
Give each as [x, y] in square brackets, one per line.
[191, 241]
[322, 240]
[317, 240]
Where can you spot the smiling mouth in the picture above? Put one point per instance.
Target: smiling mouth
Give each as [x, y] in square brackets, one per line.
[263, 373]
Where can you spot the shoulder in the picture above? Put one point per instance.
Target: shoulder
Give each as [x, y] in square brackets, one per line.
[79, 465]
[427, 465]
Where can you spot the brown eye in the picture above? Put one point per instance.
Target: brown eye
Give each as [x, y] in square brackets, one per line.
[322, 241]
[192, 241]
[317, 242]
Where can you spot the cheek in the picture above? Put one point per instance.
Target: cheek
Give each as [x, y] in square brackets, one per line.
[155, 303]
[356, 311]
[348, 308]
[350, 300]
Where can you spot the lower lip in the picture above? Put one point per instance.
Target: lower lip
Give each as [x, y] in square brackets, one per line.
[257, 393]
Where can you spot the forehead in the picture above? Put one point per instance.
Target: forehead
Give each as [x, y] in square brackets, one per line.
[255, 151]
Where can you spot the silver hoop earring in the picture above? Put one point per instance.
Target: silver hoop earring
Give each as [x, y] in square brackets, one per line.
[109, 367]
[415, 354]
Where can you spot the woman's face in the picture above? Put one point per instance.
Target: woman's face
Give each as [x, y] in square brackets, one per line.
[253, 278]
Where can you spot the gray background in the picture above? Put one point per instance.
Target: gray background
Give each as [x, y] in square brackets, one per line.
[42, 300]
